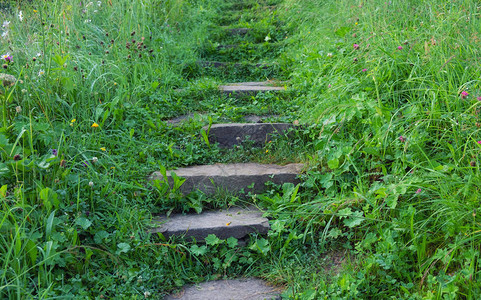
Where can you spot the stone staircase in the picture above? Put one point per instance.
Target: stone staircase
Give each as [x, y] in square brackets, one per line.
[235, 178]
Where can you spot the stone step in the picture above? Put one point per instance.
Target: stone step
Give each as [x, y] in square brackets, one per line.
[228, 135]
[232, 177]
[247, 88]
[219, 64]
[234, 289]
[202, 117]
[239, 31]
[233, 222]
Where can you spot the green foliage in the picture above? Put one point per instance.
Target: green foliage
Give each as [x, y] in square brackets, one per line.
[388, 205]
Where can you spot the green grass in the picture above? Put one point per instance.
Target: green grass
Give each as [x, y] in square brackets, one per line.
[387, 93]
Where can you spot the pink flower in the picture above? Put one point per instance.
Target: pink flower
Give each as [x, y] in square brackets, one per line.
[464, 94]
[419, 191]
[329, 85]
[402, 139]
[478, 98]
[356, 46]
[479, 142]
[400, 47]
[364, 70]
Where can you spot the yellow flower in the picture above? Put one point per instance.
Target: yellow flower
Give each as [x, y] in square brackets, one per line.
[227, 224]
[267, 150]
[73, 120]
[103, 149]
[35, 11]
[95, 125]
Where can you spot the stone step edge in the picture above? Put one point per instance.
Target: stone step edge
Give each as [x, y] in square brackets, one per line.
[247, 177]
[220, 64]
[232, 134]
[232, 289]
[232, 222]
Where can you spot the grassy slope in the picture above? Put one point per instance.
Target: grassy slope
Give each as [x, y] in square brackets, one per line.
[391, 194]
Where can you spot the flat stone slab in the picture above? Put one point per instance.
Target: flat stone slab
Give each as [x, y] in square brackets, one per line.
[239, 31]
[228, 135]
[244, 88]
[220, 64]
[234, 222]
[250, 177]
[235, 289]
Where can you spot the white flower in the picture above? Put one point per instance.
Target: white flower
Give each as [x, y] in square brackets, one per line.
[20, 16]
[41, 72]
[91, 184]
[5, 56]
[147, 294]
[39, 54]
[5, 24]
[268, 38]
[95, 160]
[18, 109]
[99, 3]
[5, 34]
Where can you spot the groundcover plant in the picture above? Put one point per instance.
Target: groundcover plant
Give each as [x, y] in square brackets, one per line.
[385, 97]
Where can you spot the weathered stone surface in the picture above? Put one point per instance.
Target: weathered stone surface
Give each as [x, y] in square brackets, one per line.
[236, 289]
[239, 31]
[233, 177]
[244, 88]
[233, 222]
[228, 135]
[219, 64]
[180, 119]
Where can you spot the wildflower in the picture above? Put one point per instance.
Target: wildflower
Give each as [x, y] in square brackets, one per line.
[5, 24]
[103, 149]
[17, 157]
[18, 109]
[400, 47]
[39, 54]
[85, 163]
[479, 142]
[402, 139]
[54, 152]
[95, 160]
[267, 38]
[20, 16]
[91, 184]
[228, 224]
[267, 150]
[41, 72]
[478, 98]
[464, 94]
[364, 70]
[95, 125]
[147, 294]
[5, 34]
[7, 57]
[329, 54]
[356, 46]
[329, 85]
[35, 11]
[419, 191]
